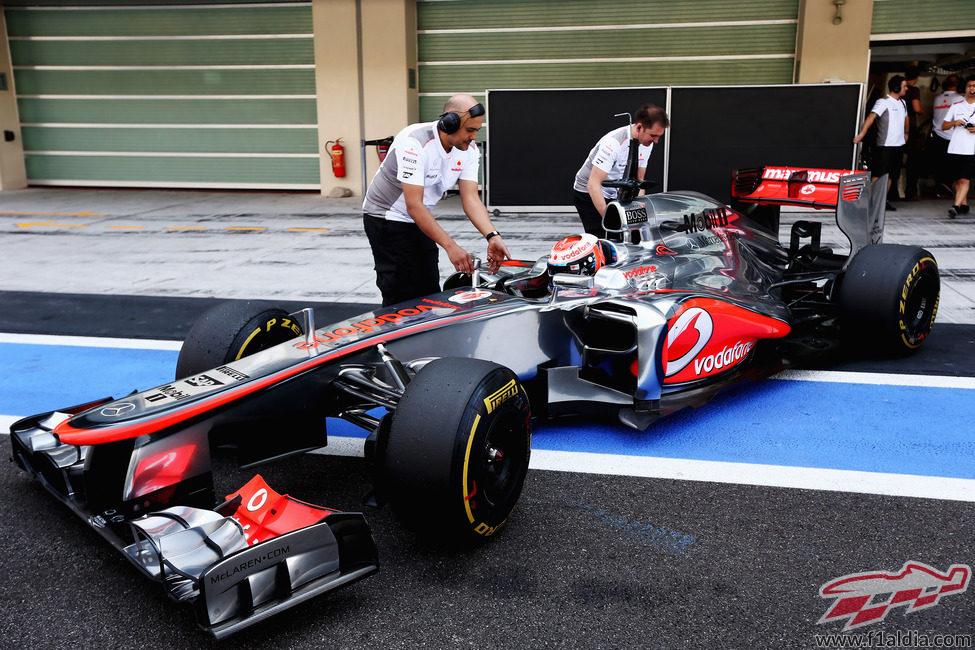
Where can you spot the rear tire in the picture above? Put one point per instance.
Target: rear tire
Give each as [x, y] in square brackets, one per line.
[233, 330]
[457, 451]
[889, 298]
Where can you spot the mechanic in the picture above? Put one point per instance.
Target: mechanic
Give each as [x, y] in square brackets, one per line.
[915, 143]
[607, 160]
[892, 132]
[938, 139]
[424, 161]
[961, 149]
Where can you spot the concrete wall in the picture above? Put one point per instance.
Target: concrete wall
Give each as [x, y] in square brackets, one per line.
[829, 51]
[13, 175]
[388, 57]
[364, 87]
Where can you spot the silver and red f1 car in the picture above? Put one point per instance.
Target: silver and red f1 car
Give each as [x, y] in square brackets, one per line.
[686, 297]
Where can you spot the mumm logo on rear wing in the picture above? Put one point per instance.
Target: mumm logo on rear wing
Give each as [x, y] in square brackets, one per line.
[816, 188]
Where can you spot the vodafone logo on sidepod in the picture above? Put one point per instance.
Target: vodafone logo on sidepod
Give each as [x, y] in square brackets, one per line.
[687, 337]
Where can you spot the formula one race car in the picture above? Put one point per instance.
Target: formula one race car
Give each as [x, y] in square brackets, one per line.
[686, 297]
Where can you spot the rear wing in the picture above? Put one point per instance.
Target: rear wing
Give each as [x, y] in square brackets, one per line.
[859, 204]
[814, 188]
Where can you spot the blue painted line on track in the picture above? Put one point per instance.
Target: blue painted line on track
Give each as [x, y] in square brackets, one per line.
[893, 429]
[39, 378]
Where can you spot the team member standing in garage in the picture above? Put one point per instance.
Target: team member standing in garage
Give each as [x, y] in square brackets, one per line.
[424, 161]
[607, 160]
[938, 140]
[892, 132]
[961, 148]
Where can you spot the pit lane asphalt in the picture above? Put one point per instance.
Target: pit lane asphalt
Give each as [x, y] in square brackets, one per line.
[585, 561]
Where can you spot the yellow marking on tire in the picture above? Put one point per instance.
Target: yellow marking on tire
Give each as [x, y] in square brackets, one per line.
[467, 460]
[495, 399]
[240, 354]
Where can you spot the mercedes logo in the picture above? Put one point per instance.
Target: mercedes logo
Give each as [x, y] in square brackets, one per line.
[117, 410]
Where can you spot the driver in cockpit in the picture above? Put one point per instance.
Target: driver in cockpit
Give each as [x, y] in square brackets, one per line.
[581, 255]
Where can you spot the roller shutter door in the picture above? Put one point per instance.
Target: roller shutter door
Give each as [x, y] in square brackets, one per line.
[215, 96]
[922, 17]
[469, 45]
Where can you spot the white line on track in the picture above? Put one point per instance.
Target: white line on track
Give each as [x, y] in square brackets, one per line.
[904, 485]
[91, 341]
[807, 478]
[832, 376]
[877, 378]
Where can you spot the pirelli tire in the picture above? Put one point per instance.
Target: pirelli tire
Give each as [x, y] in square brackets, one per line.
[889, 298]
[457, 449]
[233, 330]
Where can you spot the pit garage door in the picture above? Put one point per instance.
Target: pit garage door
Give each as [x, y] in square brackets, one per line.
[190, 96]
[470, 45]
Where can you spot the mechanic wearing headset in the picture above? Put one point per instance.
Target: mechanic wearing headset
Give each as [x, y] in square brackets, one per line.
[891, 133]
[607, 160]
[424, 161]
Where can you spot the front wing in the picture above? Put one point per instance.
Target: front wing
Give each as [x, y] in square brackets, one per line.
[248, 558]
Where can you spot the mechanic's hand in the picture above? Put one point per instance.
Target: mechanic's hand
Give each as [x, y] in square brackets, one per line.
[497, 252]
[460, 258]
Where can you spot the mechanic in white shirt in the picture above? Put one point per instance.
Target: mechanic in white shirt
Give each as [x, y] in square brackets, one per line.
[607, 161]
[961, 149]
[424, 161]
[890, 113]
[938, 140]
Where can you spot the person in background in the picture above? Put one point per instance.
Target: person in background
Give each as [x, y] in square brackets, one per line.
[938, 139]
[915, 143]
[424, 161]
[961, 149]
[890, 113]
[607, 161]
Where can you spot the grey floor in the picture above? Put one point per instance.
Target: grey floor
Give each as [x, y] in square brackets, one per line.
[301, 246]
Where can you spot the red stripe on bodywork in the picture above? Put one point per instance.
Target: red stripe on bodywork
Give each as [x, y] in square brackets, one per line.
[75, 436]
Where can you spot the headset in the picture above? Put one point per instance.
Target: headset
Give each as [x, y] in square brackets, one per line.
[450, 122]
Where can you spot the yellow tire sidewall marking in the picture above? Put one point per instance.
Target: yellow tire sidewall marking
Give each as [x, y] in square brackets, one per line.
[240, 353]
[467, 460]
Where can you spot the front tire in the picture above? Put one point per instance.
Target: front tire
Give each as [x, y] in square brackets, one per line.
[889, 298]
[458, 447]
[233, 330]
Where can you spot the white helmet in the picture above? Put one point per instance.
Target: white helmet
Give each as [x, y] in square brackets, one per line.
[576, 254]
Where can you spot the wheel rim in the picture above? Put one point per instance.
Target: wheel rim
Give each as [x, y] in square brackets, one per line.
[502, 459]
[920, 305]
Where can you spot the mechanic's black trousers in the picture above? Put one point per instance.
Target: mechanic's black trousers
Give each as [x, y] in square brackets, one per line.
[406, 260]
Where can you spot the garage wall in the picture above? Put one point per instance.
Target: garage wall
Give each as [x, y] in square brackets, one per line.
[915, 16]
[216, 96]
[470, 45]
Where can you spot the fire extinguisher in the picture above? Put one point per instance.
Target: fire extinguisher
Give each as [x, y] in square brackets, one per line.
[337, 152]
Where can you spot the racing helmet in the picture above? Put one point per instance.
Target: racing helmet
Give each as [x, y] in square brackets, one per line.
[576, 254]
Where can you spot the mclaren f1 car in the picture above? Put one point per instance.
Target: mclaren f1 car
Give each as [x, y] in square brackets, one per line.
[684, 297]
